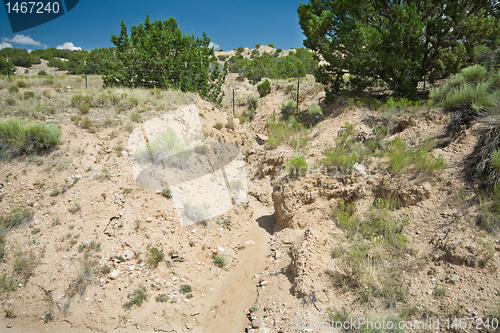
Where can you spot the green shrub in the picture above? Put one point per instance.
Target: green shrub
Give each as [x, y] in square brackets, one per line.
[219, 260]
[218, 125]
[270, 45]
[135, 117]
[18, 137]
[495, 160]
[290, 132]
[21, 84]
[185, 289]
[252, 102]
[29, 95]
[10, 101]
[297, 166]
[7, 283]
[137, 298]
[249, 114]
[338, 159]
[84, 108]
[155, 255]
[264, 88]
[400, 157]
[13, 89]
[288, 109]
[230, 123]
[166, 192]
[315, 109]
[42, 72]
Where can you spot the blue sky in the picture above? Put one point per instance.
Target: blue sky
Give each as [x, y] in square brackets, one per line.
[228, 23]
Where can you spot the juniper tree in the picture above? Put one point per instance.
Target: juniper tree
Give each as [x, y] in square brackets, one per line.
[155, 55]
[395, 42]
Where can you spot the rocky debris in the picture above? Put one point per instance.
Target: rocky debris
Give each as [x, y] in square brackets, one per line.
[405, 193]
[290, 194]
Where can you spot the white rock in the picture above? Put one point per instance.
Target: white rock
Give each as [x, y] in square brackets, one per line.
[114, 274]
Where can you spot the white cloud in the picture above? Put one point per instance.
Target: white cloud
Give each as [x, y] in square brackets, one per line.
[68, 46]
[215, 46]
[5, 45]
[23, 40]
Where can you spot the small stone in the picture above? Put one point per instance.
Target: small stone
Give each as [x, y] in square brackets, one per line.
[264, 283]
[158, 191]
[253, 308]
[429, 292]
[118, 201]
[454, 278]
[149, 219]
[9, 325]
[148, 236]
[214, 271]
[128, 255]
[264, 330]
[256, 323]
[114, 274]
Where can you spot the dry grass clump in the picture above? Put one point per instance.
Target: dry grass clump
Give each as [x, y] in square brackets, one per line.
[478, 165]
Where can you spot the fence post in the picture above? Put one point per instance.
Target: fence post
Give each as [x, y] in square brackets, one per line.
[185, 76]
[233, 99]
[85, 65]
[8, 68]
[298, 87]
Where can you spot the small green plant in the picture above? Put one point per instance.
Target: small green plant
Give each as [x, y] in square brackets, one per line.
[42, 72]
[48, 317]
[252, 102]
[155, 255]
[218, 125]
[29, 95]
[440, 291]
[161, 298]
[167, 192]
[219, 260]
[13, 89]
[288, 109]
[84, 108]
[185, 289]
[24, 264]
[21, 84]
[137, 298]
[136, 117]
[315, 110]
[230, 123]
[264, 88]
[10, 101]
[297, 166]
[7, 283]
[55, 192]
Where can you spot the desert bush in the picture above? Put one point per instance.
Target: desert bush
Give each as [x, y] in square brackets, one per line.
[136, 117]
[18, 137]
[195, 211]
[10, 101]
[297, 166]
[230, 123]
[166, 192]
[7, 283]
[249, 114]
[154, 256]
[315, 109]
[24, 264]
[219, 260]
[164, 148]
[264, 88]
[29, 95]
[137, 298]
[288, 109]
[218, 125]
[84, 108]
[252, 102]
[290, 132]
[21, 84]
[400, 156]
[42, 72]
[480, 165]
[185, 289]
[13, 89]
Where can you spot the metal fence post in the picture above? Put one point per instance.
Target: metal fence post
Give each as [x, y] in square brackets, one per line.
[298, 89]
[85, 65]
